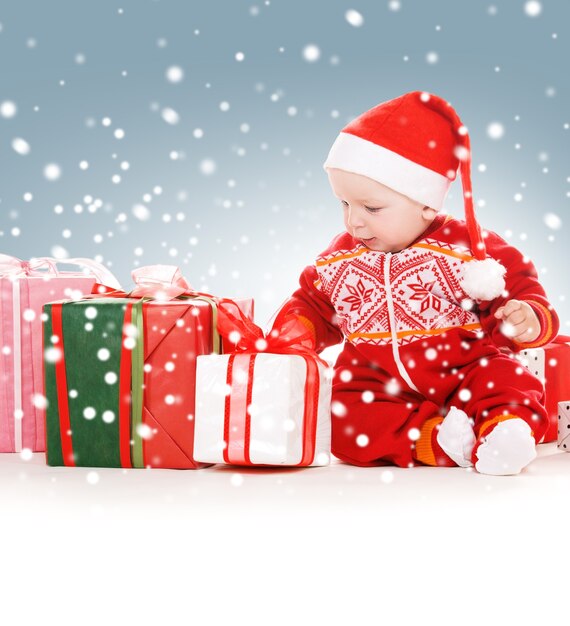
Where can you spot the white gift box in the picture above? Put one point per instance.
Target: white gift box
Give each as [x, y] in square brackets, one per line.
[251, 410]
[564, 425]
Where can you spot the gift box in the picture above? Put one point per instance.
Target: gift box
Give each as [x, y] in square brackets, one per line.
[255, 407]
[25, 286]
[551, 364]
[120, 373]
[262, 409]
[564, 425]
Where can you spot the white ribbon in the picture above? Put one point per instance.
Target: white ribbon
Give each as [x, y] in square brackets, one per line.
[17, 356]
[163, 282]
[11, 266]
[14, 269]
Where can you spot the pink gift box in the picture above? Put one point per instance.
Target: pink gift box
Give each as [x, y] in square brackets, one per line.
[24, 288]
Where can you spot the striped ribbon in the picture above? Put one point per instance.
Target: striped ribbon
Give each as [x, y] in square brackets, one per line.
[237, 421]
[17, 356]
[62, 392]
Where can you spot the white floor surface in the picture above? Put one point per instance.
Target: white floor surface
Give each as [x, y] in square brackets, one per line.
[333, 545]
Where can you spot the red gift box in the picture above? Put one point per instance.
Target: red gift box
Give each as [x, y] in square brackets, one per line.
[551, 364]
[121, 391]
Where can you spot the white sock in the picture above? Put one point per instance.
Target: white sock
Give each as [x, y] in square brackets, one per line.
[456, 437]
[509, 447]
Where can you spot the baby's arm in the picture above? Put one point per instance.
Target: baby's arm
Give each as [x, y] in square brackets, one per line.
[313, 309]
[531, 319]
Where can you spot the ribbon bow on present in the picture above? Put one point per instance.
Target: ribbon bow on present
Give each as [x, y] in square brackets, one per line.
[159, 282]
[14, 268]
[162, 283]
[289, 335]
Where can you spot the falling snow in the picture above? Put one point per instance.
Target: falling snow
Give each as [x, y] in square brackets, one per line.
[141, 212]
[21, 146]
[432, 57]
[170, 116]
[8, 109]
[175, 74]
[208, 167]
[108, 417]
[354, 18]
[553, 221]
[89, 413]
[311, 53]
[495, 130]
[533, 8]
[52, 171]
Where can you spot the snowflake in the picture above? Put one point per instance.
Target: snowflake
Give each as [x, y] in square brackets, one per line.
[423, 293]
[360, 296]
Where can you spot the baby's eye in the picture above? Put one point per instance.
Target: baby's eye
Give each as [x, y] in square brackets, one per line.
[370, 209]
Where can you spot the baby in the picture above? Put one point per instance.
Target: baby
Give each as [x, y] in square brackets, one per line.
[430, 308]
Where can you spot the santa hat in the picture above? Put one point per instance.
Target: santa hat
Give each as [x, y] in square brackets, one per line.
[415, 144]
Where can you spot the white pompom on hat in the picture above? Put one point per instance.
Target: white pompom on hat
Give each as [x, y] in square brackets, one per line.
[415, 144]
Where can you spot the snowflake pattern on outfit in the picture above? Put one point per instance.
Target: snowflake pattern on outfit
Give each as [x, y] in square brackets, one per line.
[424, 287]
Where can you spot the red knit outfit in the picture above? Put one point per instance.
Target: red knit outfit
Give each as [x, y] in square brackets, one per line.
[417, 344]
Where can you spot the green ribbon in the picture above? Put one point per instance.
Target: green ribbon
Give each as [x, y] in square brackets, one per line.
[216, 339]
[137, 380]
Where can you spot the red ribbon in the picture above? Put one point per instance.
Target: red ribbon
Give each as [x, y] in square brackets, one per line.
[237, 420]
[291, 338]
[61, 385]
[125, 394]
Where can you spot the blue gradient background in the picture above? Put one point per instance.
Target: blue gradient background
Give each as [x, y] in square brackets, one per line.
[267, 210]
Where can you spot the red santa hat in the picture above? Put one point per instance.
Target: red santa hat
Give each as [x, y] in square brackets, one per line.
[415, 144]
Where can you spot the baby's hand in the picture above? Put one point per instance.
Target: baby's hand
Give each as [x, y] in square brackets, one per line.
[520, 322]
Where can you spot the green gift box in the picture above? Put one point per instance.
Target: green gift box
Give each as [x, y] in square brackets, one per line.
[119, 378]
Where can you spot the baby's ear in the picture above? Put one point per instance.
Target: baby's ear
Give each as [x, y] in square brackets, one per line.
[428, 213]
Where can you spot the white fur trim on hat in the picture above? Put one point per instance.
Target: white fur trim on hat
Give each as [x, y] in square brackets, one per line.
[483, 280]
[357, 155]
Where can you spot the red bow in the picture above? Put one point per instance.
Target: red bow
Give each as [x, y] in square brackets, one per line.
[289, 336]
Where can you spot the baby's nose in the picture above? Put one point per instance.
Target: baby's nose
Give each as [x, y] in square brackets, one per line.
[355, 217]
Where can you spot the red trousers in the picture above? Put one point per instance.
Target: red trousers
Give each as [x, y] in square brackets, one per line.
[376, 415]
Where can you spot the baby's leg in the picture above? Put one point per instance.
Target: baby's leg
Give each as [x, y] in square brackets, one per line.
[506, 403]
[373, 427]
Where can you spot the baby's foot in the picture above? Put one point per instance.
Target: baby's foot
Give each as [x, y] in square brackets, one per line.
[508, 448]
[456, 437]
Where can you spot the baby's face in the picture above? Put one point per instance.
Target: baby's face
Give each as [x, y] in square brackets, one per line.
[381, 218]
